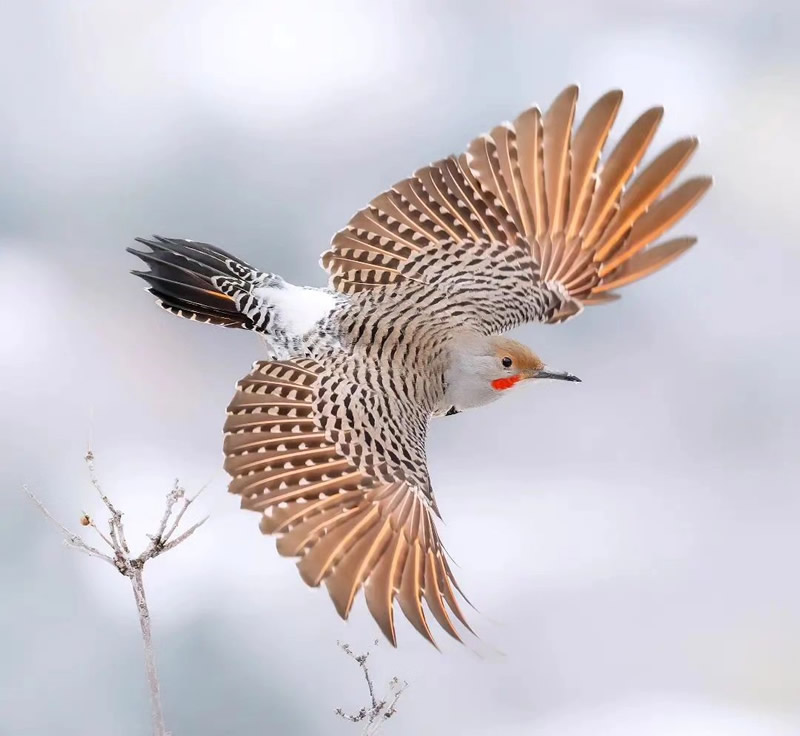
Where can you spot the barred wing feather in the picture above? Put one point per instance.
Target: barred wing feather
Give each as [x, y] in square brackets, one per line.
[322, 475]
[588, 226]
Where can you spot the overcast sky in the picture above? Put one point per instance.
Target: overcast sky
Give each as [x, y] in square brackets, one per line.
[631, 542]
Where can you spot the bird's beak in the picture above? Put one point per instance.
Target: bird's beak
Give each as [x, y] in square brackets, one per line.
[550, 373]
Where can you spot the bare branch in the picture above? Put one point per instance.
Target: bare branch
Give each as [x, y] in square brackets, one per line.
[187, 501]
[379, 710]
[159, 728]
[130, 566]
[115, 528]
[102, 536]
[72, 540]
[181, 537]
[172, 498]
[396, 688]
[89, 458]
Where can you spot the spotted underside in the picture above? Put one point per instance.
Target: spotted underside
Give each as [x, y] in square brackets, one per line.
[343, 490]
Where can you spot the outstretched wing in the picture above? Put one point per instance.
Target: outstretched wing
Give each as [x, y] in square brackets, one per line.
[337, 471]
[536, 182]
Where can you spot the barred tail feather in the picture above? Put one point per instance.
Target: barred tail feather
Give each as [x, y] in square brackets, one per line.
[196, 280]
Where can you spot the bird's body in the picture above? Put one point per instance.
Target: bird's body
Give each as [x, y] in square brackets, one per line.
[327, 438]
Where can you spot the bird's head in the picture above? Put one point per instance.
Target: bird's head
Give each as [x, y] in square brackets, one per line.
[485, 368]
[511, 362]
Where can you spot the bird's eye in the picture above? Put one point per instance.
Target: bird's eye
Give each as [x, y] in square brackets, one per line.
[506, 362]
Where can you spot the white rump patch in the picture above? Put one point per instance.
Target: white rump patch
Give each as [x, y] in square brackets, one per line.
[298, 309]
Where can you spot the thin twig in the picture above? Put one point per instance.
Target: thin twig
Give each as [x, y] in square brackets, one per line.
[115, 528]
[72, 540]
[130, 566]
[102, 536]
[172, 498]
[187, 501]
[181, 537]
[379, 710]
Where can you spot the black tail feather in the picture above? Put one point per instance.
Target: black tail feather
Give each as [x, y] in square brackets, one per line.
[183, 277]
[207, 259]
[197, 312]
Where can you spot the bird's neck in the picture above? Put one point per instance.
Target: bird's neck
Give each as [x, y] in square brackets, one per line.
[467, 381]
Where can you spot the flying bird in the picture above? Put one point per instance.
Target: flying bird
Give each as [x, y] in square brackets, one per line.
[325, 439]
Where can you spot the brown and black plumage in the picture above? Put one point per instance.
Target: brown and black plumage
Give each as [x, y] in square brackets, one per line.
[326, 440]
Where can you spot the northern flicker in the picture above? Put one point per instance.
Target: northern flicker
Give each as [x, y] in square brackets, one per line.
[325, 439]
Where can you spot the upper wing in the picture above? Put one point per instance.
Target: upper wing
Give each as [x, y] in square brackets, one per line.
[343, 481]
[539, 183]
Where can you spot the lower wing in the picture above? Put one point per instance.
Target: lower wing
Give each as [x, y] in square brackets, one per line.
[301, 453]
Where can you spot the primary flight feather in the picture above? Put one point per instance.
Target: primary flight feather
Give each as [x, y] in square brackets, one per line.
[326, 438]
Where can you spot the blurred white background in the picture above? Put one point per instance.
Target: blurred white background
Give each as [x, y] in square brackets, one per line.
[632, 543]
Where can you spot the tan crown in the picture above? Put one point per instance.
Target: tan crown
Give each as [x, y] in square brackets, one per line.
[525, 361]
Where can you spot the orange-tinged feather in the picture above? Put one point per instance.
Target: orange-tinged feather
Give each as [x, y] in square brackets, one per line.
[659, 218]
[410, 593]
[380, 588]
[644, 190]
[646, 262]
[350, 572]
[529, 150]
[620, 165]
[433, 596]
[329, 549]
[586, 146]
[557, 126]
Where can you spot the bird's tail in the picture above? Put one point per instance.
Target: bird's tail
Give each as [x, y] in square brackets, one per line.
[199, 281]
